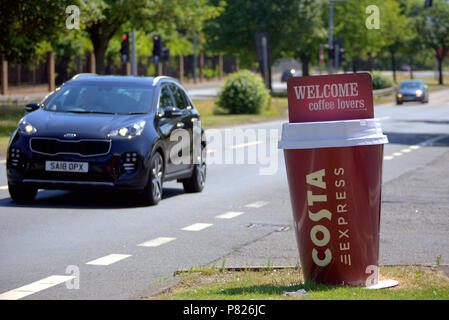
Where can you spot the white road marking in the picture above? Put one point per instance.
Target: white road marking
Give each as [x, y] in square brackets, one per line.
[242, 145]
[406, 150]
[34, 287]
[229, 215]
[388, 157]
[257, 204]
[397, 154]
[197, 227]
[109, 259]
[156, 242]
[414, 147]
[3, 187]
[432, 140]
[384, 118]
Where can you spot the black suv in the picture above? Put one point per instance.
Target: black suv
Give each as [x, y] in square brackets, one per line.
[127, 133]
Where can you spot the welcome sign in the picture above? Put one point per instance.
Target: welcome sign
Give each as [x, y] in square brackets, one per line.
[330, 97]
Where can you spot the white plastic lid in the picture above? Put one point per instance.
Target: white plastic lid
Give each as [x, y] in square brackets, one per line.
[329, 134]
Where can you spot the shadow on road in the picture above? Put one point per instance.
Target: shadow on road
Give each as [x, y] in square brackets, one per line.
[431, 140]
[91, 199]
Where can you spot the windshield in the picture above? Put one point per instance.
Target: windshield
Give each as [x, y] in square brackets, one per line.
[410, 85]
[94, 97]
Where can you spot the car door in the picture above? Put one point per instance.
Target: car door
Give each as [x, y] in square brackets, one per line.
[185, 126]
[167, 126]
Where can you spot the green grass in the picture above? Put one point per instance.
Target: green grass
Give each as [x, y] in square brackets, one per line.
[415, 283]
[211, 116]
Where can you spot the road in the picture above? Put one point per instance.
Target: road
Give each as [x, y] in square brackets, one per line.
[74, 245]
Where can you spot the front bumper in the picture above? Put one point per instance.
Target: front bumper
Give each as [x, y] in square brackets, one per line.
[123, 167]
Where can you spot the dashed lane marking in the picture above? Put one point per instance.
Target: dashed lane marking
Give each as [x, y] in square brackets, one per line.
[229, 215]
[242, 145]
[3, 187]
[197, 227]
[156, 242]
[109, 259]
[257, 204]
[34, 287]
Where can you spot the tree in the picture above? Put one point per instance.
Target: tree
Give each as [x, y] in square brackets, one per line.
[433, 25]
[395, 30]
[102, 19]
[350, 25]
[25, 23]
[304, 31]
[234, 30]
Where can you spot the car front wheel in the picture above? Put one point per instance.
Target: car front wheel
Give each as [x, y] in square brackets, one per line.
[152, 193]
[22, 193]
[198, 179]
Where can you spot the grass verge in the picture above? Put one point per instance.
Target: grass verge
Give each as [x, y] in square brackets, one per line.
[213, 283]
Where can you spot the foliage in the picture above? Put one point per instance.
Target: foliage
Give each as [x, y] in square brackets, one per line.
[25, 23]
[234, 30]
[304, 32]
[103, 19]
[381, 81]
[243, 93]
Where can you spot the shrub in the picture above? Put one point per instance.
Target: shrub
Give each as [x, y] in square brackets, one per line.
[242, 93]
[381, 81]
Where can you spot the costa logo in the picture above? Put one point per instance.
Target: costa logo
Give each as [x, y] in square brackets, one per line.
[319, 234]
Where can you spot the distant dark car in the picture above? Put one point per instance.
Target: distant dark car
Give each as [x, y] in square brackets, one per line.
[412, 90]
[288, 74]
[108, 132]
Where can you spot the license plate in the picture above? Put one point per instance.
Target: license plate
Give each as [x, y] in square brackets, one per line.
[65, 166]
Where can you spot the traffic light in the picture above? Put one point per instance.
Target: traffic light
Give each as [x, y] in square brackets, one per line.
[157, 48]
[165, 54]
[124, 51]
[331, 53]
[341, 55]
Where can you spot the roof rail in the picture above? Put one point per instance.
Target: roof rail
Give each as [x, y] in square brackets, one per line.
[158, 78]
[83, 75]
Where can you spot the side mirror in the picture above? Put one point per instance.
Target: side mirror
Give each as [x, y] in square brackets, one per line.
[172, 112]
[32, 106]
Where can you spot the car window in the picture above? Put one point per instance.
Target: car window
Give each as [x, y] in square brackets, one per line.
[165, 99]
[117, 98]
[178, 96]
[410, 85]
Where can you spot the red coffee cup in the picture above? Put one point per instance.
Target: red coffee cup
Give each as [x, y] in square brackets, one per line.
[334, 171]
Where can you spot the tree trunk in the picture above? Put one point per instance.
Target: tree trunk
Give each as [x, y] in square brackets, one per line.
[354, 64]
[393, 65]
[100, 48]
[440, 70]
[305, 60]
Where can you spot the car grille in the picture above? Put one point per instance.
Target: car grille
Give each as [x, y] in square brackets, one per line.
[83, 148]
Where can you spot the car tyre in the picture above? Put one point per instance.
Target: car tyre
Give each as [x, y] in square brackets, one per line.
[197, 181]
[22, 193]
[152, 193]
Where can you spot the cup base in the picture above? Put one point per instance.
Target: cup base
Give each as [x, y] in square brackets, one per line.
[383, 284]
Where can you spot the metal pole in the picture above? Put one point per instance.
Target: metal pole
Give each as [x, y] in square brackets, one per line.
[265, 62]
[330, 42]
[337, 61]
[194, 55]
[133, 58]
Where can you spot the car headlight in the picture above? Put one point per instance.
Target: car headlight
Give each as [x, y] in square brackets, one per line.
[400, 95]
[129, 131]
[26, 127]
[418, 93]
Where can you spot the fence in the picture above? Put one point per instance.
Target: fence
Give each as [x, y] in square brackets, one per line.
[40, 72]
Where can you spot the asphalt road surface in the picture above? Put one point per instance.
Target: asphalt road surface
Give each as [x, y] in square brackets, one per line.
[85, 245]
